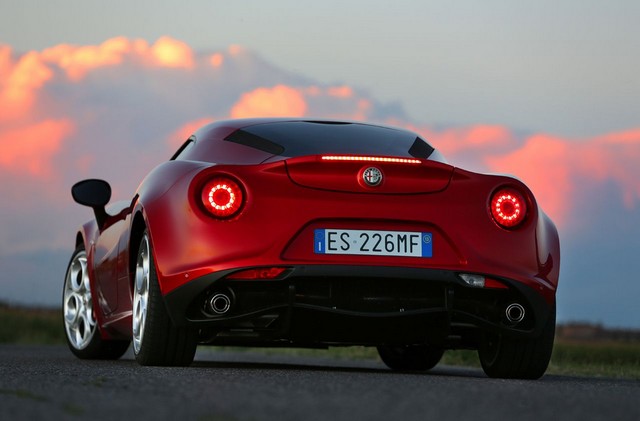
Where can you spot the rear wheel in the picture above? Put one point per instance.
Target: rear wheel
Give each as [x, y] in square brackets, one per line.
[410, 357]
[518, 358]
[156, 341]
[80, 324]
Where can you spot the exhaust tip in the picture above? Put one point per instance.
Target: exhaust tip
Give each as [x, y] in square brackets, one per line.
[219, 303]
[515, 313]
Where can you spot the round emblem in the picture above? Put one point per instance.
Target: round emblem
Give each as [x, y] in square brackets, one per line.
[372, 176]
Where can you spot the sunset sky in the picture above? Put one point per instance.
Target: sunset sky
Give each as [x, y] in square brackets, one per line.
[547, 91]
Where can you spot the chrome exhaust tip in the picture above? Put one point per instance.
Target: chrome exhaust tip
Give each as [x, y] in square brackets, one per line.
[515, 313]
[219, 303]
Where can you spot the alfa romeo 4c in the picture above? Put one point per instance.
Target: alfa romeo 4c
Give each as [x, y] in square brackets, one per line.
[296, 233]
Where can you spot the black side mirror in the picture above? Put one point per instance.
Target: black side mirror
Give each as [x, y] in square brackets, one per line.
[95, 194]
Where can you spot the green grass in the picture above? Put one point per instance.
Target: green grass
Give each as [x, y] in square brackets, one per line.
[600, 359]
[587, 358]
[30, 326]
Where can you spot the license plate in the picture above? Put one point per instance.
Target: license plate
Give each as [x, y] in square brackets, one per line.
[373, 242]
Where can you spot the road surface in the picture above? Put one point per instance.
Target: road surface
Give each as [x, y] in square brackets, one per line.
[47, 382]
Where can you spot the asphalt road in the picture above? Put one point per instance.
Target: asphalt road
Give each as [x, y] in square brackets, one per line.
[47, 382]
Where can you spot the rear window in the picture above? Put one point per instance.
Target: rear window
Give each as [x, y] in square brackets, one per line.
[299, 138]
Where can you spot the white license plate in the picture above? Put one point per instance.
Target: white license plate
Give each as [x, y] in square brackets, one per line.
[373, 242]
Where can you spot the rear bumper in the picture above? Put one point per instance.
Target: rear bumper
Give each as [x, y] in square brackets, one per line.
[318, 305]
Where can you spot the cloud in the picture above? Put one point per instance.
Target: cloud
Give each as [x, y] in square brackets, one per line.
[34, 68]
[172, 53]
[279, 101]
[616, 156]
[341, 91]
[216, 60]
[77, 61]
[29, 150]
[20, 82]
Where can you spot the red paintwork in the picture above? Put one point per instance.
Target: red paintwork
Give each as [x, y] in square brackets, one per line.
[287, 199]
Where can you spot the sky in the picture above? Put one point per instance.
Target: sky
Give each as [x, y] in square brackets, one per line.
[546, 91]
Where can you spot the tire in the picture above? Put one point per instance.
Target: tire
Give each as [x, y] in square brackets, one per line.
[518, 358]
[78, 315]
[156, 341]
[411, 357]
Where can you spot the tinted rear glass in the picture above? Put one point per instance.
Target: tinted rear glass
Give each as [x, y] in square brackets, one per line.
[299, 138]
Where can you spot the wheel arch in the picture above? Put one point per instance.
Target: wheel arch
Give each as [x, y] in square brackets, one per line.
[138, 226]
[80, 240]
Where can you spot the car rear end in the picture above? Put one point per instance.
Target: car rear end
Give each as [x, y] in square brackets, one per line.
[348, 248]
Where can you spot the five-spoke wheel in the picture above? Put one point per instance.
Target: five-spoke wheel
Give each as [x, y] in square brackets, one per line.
[80, 324]
[79, 321]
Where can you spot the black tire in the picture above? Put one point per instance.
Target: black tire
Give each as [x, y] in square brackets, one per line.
[156, 340]
[411, 357]
[518, 358]
[78, 315]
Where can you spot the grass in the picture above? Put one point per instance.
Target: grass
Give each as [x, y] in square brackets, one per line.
[575, 358]
[30, 326]
[600, 359]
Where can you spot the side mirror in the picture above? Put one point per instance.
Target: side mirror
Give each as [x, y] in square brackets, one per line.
[95, 194]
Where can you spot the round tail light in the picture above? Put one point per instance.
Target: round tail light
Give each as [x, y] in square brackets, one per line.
[222, 197]
[508, 207]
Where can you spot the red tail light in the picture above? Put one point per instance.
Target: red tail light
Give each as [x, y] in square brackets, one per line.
[260, 273]
[222, 197]
[508, 207]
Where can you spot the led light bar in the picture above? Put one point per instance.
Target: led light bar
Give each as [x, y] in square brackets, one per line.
[370, 159]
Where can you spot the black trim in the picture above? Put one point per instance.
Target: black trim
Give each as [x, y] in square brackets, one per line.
[430, 297]
[420, 149]
[254, 141]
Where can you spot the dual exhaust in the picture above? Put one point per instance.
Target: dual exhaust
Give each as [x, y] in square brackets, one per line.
[220, 303]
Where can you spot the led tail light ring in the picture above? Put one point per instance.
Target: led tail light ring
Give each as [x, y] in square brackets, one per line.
[508, 207]
[222, 197]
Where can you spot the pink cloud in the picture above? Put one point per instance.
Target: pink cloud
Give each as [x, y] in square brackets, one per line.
[616, 156]
[30, 150]
[20, 82]
[235, 49]
[279, 101]
[77, 61]
[340, 91]
[5, 61]
[172, 53]
[216, 60]
[475, 138]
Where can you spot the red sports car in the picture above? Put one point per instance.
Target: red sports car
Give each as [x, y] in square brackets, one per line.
[297, 233]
